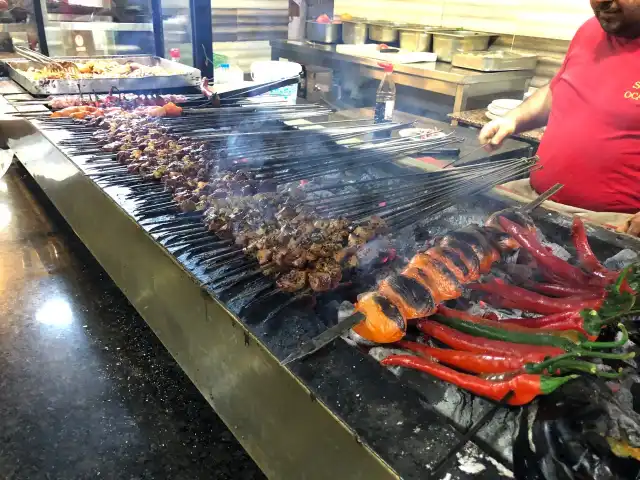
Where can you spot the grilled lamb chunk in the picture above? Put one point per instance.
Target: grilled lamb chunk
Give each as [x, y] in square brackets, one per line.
[292, 281]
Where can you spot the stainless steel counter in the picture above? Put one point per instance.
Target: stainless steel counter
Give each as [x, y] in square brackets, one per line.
[438, 77]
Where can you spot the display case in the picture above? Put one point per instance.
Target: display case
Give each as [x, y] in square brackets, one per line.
[97, 27]
[91, 28]
[17, 24]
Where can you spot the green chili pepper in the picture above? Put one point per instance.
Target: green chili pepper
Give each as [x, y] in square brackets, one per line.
[494, 333]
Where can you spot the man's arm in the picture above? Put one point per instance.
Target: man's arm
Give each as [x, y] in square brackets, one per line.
[533, 113]
[633, 225]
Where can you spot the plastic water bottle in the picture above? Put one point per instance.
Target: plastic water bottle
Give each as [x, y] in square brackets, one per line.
[385, 96]
[221, 74]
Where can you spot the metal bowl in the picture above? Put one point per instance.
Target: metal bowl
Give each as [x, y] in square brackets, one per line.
[446, 44]
[386, 32]
[324, 32]
[415, 40]
[354, 31]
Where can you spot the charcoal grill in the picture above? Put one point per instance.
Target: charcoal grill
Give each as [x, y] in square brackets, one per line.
[365, 422]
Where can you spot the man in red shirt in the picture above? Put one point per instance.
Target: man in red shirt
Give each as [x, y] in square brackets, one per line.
[592, 112]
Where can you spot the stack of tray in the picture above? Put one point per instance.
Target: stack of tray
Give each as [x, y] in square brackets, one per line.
[495, 61]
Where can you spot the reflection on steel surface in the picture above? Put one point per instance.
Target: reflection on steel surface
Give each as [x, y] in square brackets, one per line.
[6, 156]
[55, 312]
[5, 216]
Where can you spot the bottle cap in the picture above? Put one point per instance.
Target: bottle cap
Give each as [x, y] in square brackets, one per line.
[174, 53]
[387, 66]
[224, 65]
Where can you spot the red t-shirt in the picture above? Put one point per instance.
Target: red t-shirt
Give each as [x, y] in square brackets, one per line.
[592, 141]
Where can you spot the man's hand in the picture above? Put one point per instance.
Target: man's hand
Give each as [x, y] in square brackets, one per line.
[495, 132]
[633, 225]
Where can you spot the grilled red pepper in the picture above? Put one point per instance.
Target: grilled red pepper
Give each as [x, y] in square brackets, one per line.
[525, 386]
[485, 363]
[469, 361]
[470, 343]
[523, 299]
[552, 264]
[587, 258]
[574, 336]
[555, 290]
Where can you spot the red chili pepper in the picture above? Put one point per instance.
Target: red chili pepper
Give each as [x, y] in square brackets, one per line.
[586, 256]
[525, 387]
[491, 316]
[550, 262]
[469, 361]
[541, 322]
[558, 322]
[626, 288]
[470, 343]
[523, 299]
[575, 335]
[555, 290]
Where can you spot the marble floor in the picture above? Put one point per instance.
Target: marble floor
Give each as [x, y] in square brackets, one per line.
[86, 389]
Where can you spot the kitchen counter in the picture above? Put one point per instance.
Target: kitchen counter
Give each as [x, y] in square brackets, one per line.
[477, 118]
[437, 77]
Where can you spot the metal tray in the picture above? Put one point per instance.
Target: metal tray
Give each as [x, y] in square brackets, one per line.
[496, 61]
[181, 76]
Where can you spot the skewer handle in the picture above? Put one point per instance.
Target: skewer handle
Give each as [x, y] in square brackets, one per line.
[326, 337]
[542, 198]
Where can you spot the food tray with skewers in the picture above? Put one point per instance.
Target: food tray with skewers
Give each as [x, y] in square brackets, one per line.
[99, 74]
[268, 294]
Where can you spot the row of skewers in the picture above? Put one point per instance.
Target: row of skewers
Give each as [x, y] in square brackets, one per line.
[258, 210]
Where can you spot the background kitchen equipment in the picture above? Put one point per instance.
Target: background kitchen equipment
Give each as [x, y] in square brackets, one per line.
[415, 39]
[448, 43]
[316, 83]
[270, 71]
[324, 32]
[355, 31]
[381, 31]
[395, 56]
[496, 61]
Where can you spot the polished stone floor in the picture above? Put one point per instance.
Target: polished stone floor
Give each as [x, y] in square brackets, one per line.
[86, 389]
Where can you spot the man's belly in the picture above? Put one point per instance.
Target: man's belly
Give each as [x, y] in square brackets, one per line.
[599, 177]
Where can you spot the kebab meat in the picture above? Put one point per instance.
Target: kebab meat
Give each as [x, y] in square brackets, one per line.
[81, 112]
[125, 101]
[289, 241]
